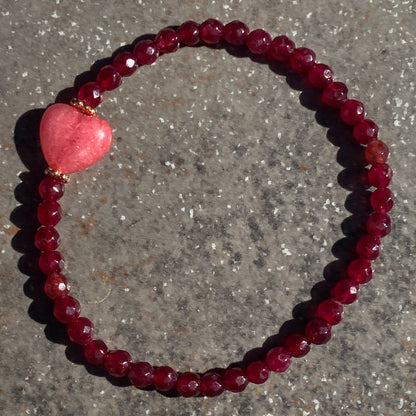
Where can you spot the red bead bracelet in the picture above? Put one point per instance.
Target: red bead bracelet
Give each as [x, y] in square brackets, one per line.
[73, 138]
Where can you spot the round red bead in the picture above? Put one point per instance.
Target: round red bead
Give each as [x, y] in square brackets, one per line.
[380, 175]
[302, 60]
[51, 262]
[146, 52]
[376, 152]
[211, 31]
[47, 239]
[382, 200]
[320, 76]
[188, 384]
[278, 359]
[352, 112]
[258, 41]
[281, 48]
[125, 63]
[108, 78]
[141, 374]
[165, 378]
[331, 310]
[365, 131]
[56, 286]
[235, 380]
[66, 308]
[318, 331]
[49, 213]
[236, 32]
[368, 247]
[335, 94]
[118, 363]
[297, 345]
[212, 384]
[80, 331]
[360, 270]
[188, 33]
[378, 224]
[167, 40]
[51, 189]
[90, 94]
[346, 291]
[96, 352]
[257, 372]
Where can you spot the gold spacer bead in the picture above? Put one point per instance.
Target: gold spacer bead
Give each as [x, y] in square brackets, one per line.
[56, 174]
[82, 108]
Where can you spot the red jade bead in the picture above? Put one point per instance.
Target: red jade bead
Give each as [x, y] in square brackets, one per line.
[236, 32]
[188, 33]
[378, 224]
[167, 40]
[211, 31]
[66, 308]
[376, 152]
[302, 60]
[188, 384]
[108, 78]
[49, 213]
[90, 94]
[141, 374]
[365, 131]
[278, 359]
[235, 380]
[380, 175]
[212, 384]
[382, 200]
[297, 345]
[56, 286]
[80, 331]
[360, 270]
[318, 331]
[258, 41]
[51, 262]
[368, 247]
[51, 189]
[346, 291]
[331, 310]
[257, 372]
[281, 48]
[165, 378]
[335, 95]
[352, 112]
[125, 63]
[320, 76]
[118, 363]
[47, 239]
[146, 52]
[96, 352]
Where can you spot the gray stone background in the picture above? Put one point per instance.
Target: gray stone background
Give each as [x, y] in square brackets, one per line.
[219, 207]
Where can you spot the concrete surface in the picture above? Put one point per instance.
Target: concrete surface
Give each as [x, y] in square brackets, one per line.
[219, 207]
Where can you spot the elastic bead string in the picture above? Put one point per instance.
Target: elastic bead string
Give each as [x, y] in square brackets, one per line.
[328, 313]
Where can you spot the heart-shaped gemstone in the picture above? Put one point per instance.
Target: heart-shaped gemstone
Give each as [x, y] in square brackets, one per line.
[72, 141]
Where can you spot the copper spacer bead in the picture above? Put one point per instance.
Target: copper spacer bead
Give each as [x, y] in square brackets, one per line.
[81, 107]
[56, 174]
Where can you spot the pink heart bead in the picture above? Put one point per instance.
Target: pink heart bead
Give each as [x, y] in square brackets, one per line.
[72, 141]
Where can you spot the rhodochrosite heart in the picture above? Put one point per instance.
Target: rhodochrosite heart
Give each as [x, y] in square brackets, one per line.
[72, 141]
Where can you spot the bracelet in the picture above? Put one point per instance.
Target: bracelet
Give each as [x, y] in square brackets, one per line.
[73, 138]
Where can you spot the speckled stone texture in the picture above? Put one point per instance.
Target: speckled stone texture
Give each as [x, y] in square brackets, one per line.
[220, 205]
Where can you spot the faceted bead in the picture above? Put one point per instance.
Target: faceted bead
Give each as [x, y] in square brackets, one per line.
[297, 345]
[80, 331]
[125, 63]
[165, 378]
[360, 270]
[331, 310]
[66, 308]
[47, 239]
[212, 384]
[302, 60]
[141, 374]
[188, 33]
[320, 76]
[51, 189]
[376, 152]
[278, 359]
[382, 200]
[318, 331]
[108, 78]
[90, 94]
[235, 380]
[335, 94]
[167, 40]
[211, 31]
[346, 291]
[258, 41]
[281, 48]
[352, 112]
[378, 224]
[188, 384]
[146, 52]
[236, 32]
[257, 372]
[51, 262]
[56, 286]
[368, 247]
[380, 175]
[365, 131]
[49, 213]
[118, 363]
[96, 352]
